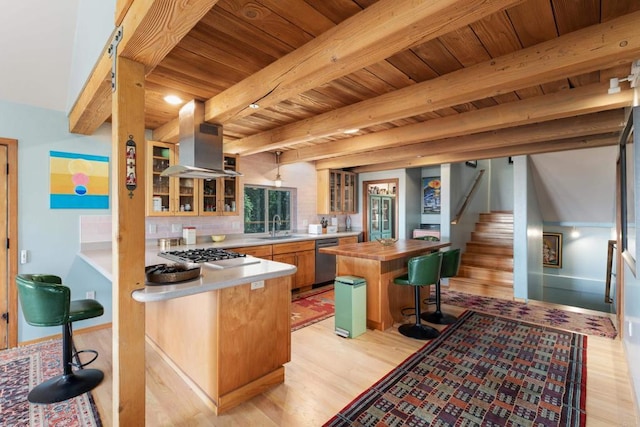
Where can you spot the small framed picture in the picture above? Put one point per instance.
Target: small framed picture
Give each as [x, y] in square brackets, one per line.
[471, 163]
[552, 250]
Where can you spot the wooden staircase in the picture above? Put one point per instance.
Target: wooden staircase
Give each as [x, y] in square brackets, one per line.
[488, 257]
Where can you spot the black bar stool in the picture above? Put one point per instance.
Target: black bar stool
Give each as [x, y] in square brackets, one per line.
[422, 271]
[450, 267]
[46, 302]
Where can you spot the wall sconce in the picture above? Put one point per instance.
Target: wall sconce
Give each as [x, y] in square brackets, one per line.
[278, 180]
[575, 233]
[633, 79]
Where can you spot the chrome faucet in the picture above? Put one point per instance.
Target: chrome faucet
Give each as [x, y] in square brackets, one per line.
[274, 231]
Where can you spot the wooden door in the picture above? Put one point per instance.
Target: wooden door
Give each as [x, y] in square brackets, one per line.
[4, 283]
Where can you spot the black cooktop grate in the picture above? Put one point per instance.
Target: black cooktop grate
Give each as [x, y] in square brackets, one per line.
[201, 255]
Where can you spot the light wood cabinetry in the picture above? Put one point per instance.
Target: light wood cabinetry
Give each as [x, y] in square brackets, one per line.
[220, 196]
[263, 251]
[231, 343]
[347, 240]
[173, 196]
[168, 196]
[303, 256]
[336, 192]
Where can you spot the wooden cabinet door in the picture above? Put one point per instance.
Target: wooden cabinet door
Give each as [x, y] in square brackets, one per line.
[263, 251]
[347, 240]
[168, 196]
[289, 258]
[220, 196]
[306, 263]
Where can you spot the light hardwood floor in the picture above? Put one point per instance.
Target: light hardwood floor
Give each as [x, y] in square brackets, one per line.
[326, 372]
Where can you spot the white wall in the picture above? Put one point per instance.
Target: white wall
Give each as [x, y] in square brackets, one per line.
[501, 185]
[94, 28]
[631, 325]
[462, 178]
[527, 234]
[51, 235]
[581, 279]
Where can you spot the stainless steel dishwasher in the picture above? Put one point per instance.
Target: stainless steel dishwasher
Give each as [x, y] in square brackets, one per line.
[325, 263]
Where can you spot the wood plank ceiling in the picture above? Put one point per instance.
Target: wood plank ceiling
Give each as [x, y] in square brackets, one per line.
[424, 82]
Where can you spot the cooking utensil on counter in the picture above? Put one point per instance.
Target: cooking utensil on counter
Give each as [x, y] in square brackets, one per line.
[163, 274]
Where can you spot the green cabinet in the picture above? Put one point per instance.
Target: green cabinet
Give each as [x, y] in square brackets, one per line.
[381, 220]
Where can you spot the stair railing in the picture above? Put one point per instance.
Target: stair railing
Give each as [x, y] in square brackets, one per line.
[467, 199]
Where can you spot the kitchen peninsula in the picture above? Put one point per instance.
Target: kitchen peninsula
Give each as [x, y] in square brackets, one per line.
[379, 265]
[227, 332]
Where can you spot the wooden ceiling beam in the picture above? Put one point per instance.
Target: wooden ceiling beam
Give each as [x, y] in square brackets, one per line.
[589, 124]
[577, 143]
[151, 29]
[614, 42]
[378, 32]
[563, 104]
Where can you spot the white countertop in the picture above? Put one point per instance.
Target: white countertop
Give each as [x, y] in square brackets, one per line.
[99, 256]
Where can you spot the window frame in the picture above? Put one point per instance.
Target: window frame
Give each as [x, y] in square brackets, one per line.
[286, 224]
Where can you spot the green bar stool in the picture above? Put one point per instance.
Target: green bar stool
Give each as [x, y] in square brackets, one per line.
[46, 302]
[422, 271]
[450, 267]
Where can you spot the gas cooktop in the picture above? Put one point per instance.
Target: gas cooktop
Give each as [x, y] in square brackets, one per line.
[212, 257]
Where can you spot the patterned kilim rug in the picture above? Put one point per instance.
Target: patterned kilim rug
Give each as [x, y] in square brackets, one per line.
[312, 307]
[482, 370]
[577, 322]
[23, 368]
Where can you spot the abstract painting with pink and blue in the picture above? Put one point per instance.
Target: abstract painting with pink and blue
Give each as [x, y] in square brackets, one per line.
[78, 181]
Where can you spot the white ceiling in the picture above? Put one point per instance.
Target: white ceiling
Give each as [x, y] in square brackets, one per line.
[36, 44]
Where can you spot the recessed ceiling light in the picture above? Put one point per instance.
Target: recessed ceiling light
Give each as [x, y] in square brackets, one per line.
[173, 100]
[350, 131]
[254, 106]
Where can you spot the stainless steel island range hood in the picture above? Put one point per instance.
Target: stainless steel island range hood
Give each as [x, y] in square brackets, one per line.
[200, 146]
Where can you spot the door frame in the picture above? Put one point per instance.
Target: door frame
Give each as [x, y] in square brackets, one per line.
[12, 235]
[365, 204]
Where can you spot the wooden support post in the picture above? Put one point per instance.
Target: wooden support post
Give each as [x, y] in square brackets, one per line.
[128, 244]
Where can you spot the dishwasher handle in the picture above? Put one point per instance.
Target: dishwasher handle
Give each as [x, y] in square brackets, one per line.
[325, 243]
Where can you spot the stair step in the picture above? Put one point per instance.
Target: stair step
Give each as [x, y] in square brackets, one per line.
[501, 248]
[481, 236]
[498, 262]
[498, 276]
[481, 287]
[494, 226]
[496, 217]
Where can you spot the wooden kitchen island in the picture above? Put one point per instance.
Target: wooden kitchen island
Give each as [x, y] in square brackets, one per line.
[227, 333]
[379, 265]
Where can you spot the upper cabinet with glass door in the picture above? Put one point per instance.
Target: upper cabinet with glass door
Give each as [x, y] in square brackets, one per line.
[168, 196]
[336, 192]
[220, 196]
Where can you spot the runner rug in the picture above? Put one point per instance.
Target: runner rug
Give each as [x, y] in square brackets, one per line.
[482, 370]
[577, 322]
[23, 368]
[312, 307]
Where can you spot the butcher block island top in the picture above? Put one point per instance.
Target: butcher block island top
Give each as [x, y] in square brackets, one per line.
[379, 265]
[379, 252]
